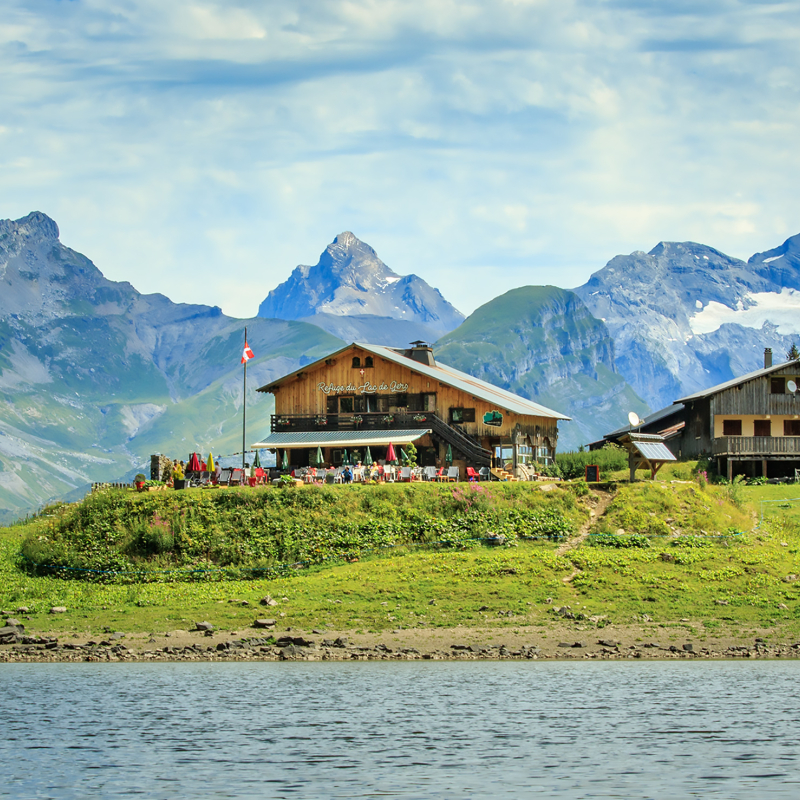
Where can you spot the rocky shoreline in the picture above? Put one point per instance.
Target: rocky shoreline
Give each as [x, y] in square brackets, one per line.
[17, 647]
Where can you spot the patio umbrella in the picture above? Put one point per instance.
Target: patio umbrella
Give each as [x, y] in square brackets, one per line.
[403, 456]
[285, 464]
[390, 455]
[448, 456]
[194, 463]
[319, 457]
[256, 462]
[210, 463]
[345, 458]
[368, 456]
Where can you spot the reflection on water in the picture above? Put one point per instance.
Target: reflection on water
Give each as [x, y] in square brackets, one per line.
[408, 730]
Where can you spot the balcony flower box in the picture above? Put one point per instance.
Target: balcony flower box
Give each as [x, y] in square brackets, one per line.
[420, 418]
[388, 419]
[357, 419]
[321, 420]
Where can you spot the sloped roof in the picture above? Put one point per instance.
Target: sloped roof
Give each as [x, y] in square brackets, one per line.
[441, 372]
[650, 446]
[662, 413]
[721, 387]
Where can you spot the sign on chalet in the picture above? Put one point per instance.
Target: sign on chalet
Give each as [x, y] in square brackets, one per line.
[370, 396]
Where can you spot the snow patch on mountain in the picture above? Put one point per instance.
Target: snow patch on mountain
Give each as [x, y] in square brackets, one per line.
[782, 309]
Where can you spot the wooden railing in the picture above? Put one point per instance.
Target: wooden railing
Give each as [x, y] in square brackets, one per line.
[467, 445]
[757, 445]
[369, 421]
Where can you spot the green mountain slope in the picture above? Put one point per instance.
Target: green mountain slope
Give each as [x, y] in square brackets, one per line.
[94, 376]
[541, 342]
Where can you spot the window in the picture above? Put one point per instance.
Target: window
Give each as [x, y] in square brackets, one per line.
[360, 403]
[332, 404]
[791, 427]
[346, 405]
[462, 415]
[368, 362]
[762, 427]
[777, 386]
[732, 427]
[356, 362]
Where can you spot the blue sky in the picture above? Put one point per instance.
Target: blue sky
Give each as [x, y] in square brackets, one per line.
[203, 149]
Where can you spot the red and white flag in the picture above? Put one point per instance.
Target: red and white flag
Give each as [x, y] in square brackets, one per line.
[247, 354]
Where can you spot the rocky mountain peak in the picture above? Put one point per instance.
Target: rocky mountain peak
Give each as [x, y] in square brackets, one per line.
[351, 280]
[35, 225]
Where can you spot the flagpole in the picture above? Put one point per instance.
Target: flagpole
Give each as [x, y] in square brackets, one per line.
[244, 406]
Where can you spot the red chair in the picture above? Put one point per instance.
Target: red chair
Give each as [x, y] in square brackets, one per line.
[472, 475]
[261, 476]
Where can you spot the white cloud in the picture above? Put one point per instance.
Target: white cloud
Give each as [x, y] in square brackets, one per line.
[203, 149]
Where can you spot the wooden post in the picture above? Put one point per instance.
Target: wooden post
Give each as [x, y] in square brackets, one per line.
[764, 467]
[730, 469]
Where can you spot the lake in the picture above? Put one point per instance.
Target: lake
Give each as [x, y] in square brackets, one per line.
[408, 730]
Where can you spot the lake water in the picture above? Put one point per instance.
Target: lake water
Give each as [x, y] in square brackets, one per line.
[407, 730]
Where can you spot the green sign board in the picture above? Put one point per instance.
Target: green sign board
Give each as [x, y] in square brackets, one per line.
[494, 418]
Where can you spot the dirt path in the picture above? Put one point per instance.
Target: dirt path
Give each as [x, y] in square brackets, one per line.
[603, 500]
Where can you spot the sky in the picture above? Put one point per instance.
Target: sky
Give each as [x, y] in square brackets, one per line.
[204, 149]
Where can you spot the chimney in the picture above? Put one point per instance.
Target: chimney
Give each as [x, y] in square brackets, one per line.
[767, 357]
[421, 352]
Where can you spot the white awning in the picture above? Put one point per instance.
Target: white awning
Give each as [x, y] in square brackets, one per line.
[298, 439]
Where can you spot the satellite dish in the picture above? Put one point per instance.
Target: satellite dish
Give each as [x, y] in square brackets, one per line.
[791, 386]
[633, 418]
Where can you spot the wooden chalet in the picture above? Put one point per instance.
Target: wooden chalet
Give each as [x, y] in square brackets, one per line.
[370, 396]
[749, 424]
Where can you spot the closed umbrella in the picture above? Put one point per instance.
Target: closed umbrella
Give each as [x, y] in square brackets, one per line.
[210, 463]
[194, 463]
[368, 456]
[319, 457]
[448, 456]
[403, 456]
[256, 462]
[345, 458]
[390, 455]
[285, 464]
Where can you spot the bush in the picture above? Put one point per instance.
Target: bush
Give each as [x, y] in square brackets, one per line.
[123, 536]
[615, 540]
[611, 458]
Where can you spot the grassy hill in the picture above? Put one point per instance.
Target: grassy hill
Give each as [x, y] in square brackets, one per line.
[375, 558]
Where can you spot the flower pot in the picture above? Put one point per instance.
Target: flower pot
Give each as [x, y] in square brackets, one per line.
[179, 484]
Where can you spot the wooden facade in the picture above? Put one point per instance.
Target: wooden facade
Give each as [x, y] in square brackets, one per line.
[751, 425]
[372, 388]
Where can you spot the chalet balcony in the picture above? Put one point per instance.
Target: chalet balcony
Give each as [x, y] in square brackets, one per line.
[763, 446]
[357, 421]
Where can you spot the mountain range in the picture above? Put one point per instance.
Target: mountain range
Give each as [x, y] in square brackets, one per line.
[96, 376]
[685, 316]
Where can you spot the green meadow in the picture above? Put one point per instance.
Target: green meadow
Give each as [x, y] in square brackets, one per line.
[377, 558]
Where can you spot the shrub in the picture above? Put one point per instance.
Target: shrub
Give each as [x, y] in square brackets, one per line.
[611, 458]
[615, 540]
